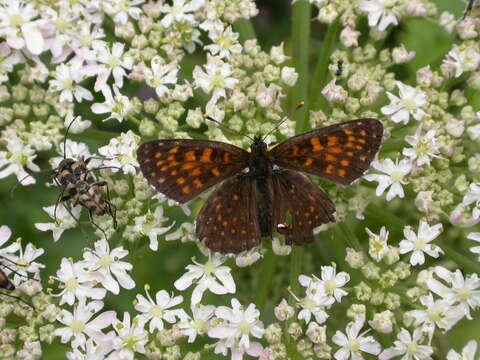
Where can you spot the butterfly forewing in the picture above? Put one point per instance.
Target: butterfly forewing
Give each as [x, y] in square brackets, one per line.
[340, 153]
[307, 205]
[228, 222]
[182, 169]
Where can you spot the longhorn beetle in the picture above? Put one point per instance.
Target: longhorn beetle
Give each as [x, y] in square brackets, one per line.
[78, 184]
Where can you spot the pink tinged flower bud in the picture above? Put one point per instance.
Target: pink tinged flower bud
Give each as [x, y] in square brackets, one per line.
[334, 93]
[289, 75]
[349, 37]
[283, 311]
[461, 217]
[316, 333]
[415, 8]
[424, 76]
[401, 55]
[455, 127]
[466, 29]
[424, 200]
[382, 322]
[474, 81]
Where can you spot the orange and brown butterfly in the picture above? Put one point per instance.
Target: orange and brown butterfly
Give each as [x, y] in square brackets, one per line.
[262, 188]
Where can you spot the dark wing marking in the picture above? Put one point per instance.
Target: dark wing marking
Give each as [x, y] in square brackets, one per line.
[340, 153]
[182, 169]
[228, 222]
[308, 206]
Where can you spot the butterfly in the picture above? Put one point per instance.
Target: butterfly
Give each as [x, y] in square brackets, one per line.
[264, 190]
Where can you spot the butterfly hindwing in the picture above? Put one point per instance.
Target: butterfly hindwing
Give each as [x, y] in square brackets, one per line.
[340, 153]
[228, 222]
[295, 196]
[182, 169]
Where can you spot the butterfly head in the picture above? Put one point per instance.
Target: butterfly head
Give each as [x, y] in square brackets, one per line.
[259, 146]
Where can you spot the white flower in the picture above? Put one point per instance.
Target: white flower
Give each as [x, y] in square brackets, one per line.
[76, 283]
[24, 263]
[119, 106]
[92, 351]
[121, 152]
[381, 13]
[160, 74]
[215, 80]
[468, 352]
[248, 258]
[120, 10]
[395, 174]
[331, 282]
[79, 324]
[475, 236]
[473, 197]
[75, 151]
[235, 330]
[17, 157]
[185, 233]
[199, 323]
[462, 59]
[179, 11]
[9, 59]
[315, 301]
[353, 344]
[401, 55]
[448, 21]
[9, 251]
[377, 245]
[464, 292]
[158, 310]
[67, 77]
[424, 147]
[63, 217]
[18, 27]
[209, 276]
[409, 347]
[107, 264]
[77, 124]
[225, 42]
[437, 313]
[131, 338]
[113, 62]
[150, 225]
[419, 244]
[409, 103]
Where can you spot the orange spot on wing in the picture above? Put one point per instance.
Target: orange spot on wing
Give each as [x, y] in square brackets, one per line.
[186, 189]
[350, 145]
[226, 157]
[352, 138]
[308, 162]
[295, 149]
[161, 180]
[164, 168]
[197, 183]
[358, 147]
[362, 141]
[195, 172]
[344, 162]
[160, 162]
[180, 181]
[158, 155]
[330, 158]
[341, 172]
[349, 154]
[316, 144]
[363, 158]
[332, 140]
[174, 173]
[235, 197]
[215, 171]
[190, 156]
[363, 133]
[171, 158]
[348, 132]
[206, 156]
[187, 166]
[173, 150]
[335, 150]
[329, 169]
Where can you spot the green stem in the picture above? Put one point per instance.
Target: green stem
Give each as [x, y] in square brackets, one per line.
[460, 259]
[300, 49]
[295, 269]
[321, 70]
[99, 134]
[265, 280]
[245, 28]
[349, 236]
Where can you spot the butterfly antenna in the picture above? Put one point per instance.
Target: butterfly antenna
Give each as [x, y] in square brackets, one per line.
[285, 118]
[207, 117]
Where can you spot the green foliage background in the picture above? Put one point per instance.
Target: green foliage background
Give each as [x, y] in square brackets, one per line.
[261, 283]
